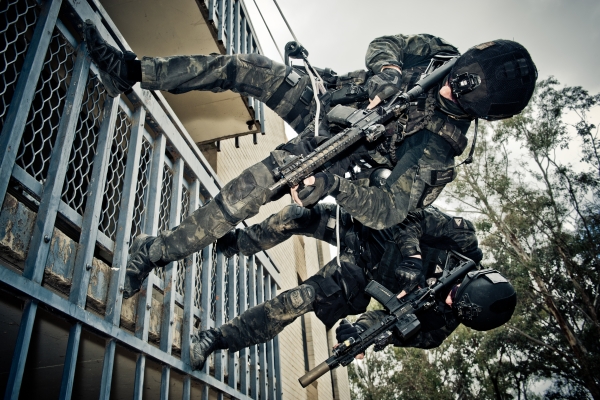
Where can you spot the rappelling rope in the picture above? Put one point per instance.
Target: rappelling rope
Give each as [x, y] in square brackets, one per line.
[269, 30]
[337, 233]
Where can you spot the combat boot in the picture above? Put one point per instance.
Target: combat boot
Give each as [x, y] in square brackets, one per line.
[116, 69]
[145, 255]
[204, 343]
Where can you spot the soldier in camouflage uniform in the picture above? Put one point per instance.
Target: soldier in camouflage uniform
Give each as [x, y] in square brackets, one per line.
[335, 291]
[419, 148]
[484, 300]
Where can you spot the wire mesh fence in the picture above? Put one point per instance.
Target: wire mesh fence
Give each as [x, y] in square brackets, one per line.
[110, 178]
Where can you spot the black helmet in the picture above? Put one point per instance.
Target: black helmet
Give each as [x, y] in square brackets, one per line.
[485, 300]
[494, 80]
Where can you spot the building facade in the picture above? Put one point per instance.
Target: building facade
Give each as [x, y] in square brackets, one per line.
[82, 173]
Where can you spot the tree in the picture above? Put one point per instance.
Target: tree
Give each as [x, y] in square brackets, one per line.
[540, 223]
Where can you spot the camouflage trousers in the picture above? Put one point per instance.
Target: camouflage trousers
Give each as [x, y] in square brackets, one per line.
[334, 292]
[285, 92]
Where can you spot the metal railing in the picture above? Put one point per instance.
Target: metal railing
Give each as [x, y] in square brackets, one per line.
[96, 171]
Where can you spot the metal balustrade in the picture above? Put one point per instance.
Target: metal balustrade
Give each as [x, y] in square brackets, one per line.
[89, 173]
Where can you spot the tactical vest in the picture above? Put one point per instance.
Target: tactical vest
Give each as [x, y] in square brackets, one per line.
[423, 114]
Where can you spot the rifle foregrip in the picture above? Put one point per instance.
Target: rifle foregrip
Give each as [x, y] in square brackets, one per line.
[314, 374]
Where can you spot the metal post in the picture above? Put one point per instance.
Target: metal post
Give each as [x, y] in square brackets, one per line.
[243, 34]
[115, 298]
[261, 118]
[222, 20]
[277, 366]
[236, 26]
[205, 300]
[17, 367]
[140, 369]
[16, 117]
[243, 354]
[89, 227]
[190, 285]
[66, 387]
[154, 195]
[166, 336]
[253, 349]
[168, 317]
[248, 51]
[232, 369]
[111, 107]
[229, 26]
[107, 369]
[164, 382]
[212, 8]
[269, 345]
[220, 312]
[142, 323]
[187, 387]
[262, 348]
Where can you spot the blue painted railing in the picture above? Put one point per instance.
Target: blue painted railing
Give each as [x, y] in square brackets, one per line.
[92, 172]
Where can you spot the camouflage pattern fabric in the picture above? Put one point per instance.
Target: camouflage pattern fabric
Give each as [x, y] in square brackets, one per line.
[405, 49]
[248, 74]
[264, 321]
[436, 229]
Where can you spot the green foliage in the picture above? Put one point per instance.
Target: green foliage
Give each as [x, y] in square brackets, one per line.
[535, 186]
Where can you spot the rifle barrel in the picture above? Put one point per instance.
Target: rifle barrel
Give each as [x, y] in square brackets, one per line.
[314, 374]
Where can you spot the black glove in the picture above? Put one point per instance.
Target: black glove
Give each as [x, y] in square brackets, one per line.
[347, 330]
[384, 84]
[311, 194]
[409, 273]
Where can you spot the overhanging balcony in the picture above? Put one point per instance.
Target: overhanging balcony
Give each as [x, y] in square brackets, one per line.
[176, 27]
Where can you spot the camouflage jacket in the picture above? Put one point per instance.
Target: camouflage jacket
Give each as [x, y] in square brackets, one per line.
[387, 206]
[435, 229]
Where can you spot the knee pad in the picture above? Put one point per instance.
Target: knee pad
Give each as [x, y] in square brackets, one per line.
[293, 214]
[299, 299]
[242, 197]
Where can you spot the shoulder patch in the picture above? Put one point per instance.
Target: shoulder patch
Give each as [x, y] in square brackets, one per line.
[458, 223]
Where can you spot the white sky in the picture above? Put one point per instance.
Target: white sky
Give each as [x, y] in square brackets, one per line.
[562, 36]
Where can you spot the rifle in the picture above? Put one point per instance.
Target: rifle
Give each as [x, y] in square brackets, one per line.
[401, 317]
[368, 124]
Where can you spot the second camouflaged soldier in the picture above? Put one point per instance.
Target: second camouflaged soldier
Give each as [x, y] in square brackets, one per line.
[336, 291]
[420, 148]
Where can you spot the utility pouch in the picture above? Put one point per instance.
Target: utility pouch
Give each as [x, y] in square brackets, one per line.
[349, 93]
[345, 116]
[434, 182]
